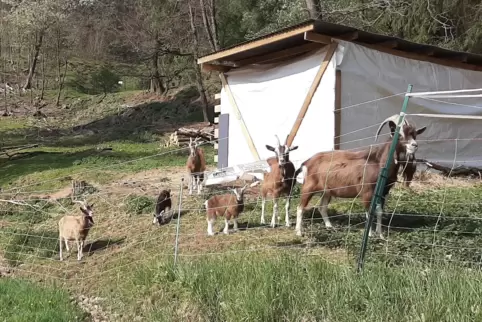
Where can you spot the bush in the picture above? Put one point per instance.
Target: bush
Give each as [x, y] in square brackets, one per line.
[104, 81]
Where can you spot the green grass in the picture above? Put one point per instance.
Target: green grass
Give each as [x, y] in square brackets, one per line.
[288, 287]
[22, 300]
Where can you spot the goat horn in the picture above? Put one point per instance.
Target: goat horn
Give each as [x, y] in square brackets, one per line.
[286, 141]
[80, 202]
[394, 118]
[277, 139]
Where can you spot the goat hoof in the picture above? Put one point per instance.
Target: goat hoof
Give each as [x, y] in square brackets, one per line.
[288, 224]
[298, 233]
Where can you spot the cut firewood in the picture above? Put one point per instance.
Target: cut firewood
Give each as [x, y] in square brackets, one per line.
[458, 171]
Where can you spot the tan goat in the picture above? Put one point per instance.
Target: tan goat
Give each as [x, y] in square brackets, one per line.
[196, 165]
[226, 205]
[72, 227]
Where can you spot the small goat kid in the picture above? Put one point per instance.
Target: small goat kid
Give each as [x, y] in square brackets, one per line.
[349, 174]
[279, 181]
[226, 205]
[196, 165]
[163, 206]
[76, 228]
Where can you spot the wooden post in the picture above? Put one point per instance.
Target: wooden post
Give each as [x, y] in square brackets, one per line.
[304, 108]
[239, 117]
[337, 109]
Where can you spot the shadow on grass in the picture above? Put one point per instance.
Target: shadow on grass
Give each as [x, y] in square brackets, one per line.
[135, 124]
[102, 244]
[86, 159]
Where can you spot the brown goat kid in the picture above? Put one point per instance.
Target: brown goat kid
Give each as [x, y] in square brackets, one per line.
[279, 181]
[163, 206]
[196, 165]
[351, 174]
[76, 228]
[228, 205]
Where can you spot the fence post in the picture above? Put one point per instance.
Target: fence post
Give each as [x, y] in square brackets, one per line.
[380, 185]
[176, 247]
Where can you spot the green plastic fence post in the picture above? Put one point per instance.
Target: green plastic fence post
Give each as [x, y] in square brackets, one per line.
[380, 185]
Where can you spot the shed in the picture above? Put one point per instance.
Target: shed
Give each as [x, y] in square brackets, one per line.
[328, 86]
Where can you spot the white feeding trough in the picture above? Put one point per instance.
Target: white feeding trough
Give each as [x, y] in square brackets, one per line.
[233, 173]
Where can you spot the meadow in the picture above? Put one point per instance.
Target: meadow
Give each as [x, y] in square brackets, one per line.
[428, 270]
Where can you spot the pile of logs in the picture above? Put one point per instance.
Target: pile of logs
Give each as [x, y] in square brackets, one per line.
[183, 134]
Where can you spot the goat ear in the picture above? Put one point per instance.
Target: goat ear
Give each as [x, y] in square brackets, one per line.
[269, 147]
[293, 148]
[392, 127]
[421, 130]
[92, 205]
[84, 211]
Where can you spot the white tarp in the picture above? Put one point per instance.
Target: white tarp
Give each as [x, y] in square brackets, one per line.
[270, 97]
[369, 75]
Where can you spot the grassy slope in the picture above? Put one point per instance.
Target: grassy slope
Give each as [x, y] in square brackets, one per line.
[129, 261]
[22, 300]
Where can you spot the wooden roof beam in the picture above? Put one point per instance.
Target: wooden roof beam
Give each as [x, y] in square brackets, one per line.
[388, 44]
[256, 43]
[213, 67]
[280, 54]
[316, 37]
[350, 36]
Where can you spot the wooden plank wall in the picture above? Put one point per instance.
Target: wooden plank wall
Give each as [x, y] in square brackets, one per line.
[217, 111]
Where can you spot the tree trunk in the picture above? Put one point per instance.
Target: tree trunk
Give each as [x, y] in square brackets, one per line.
[314, 9]
[42, 94]
[61, 84]
[38, 45]
[197, 68]
[156, 81]
[209, 19]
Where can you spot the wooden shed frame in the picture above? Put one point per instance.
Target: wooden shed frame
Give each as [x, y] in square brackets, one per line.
[309, 36]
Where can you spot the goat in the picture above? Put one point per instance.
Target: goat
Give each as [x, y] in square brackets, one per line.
[196, 165]
[279, 181]
[228, 205]
[163, 206]
[72, 227]
[351, 174]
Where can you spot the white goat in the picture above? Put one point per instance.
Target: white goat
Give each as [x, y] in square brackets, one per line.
[196, 165]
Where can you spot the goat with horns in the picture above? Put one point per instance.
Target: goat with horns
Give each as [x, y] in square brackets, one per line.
[351, 174]
[279, 181]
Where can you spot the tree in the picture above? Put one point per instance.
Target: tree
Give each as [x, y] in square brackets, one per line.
[314, 9]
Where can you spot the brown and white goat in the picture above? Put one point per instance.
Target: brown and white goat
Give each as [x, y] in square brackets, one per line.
[351, 174]
[72, 227]
[227, 205]
[163, 206]
[196, 165]
[279, 181]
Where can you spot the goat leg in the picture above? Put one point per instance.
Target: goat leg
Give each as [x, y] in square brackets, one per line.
[198, 183]
[323, 208]
[370, 232]
[60, 254]
[226, 226]
[287, 210]
[235, 224]
[210, 227]
[299, 219]
[275, 212]
[379, 212]
[79, 257]
[190, 183]
[67, 245]
[263, 203]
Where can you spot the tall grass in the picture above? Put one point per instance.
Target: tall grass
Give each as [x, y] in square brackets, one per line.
[295, 288]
